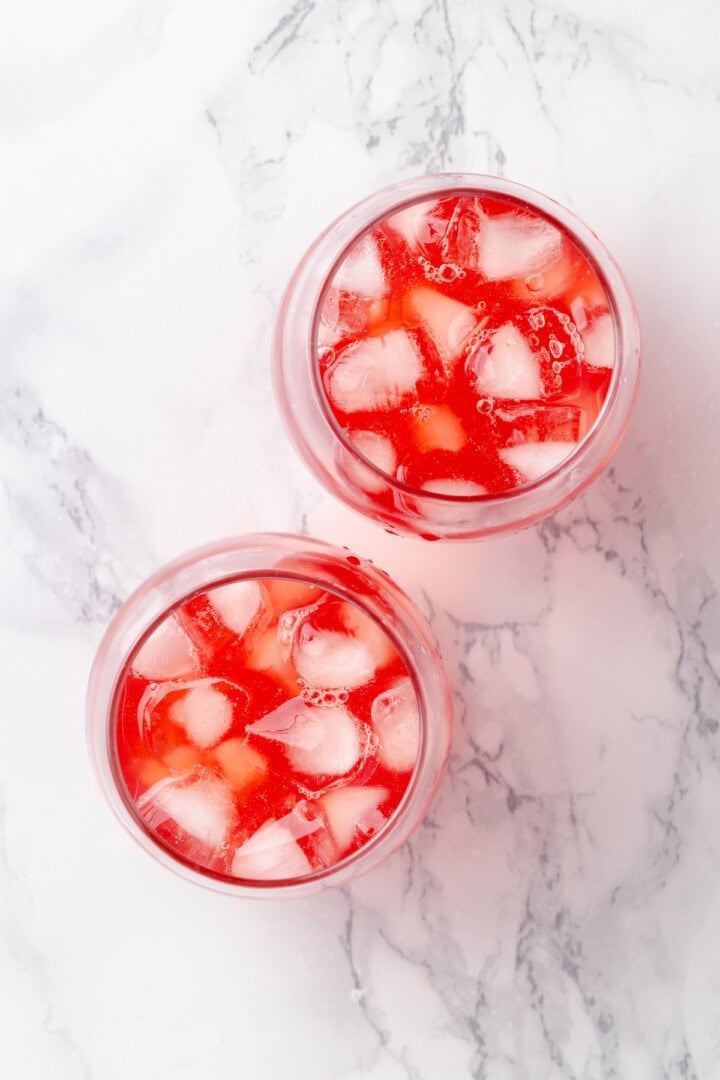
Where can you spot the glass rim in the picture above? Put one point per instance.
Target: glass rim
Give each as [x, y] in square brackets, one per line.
[118, 645]
[589, 455]
[393, 481]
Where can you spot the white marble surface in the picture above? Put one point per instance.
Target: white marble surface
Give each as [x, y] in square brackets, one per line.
[164, 164]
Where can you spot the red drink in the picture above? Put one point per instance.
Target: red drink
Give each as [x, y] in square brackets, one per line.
[459, 363]
[465, 345]
[266, 729]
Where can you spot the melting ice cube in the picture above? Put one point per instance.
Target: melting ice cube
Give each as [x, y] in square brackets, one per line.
[419, 224]
[198, 803]
[447, 321]
[365, 629]
[238, 604]
[204, 712]
[377, 373]
[599, 340]
[272, 852]
[534, 459]
[396, 720]
[376, 448]
[361, 271]
[331, 659]
[243, 765]
[503, 365]
[437, 427]
[445, 514]
[353, 808]
[318, 740]
[167, 654]
[204, 708]
[515, 245]
[454, 486]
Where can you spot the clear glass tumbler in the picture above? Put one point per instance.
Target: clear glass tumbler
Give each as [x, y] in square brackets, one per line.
[341, 466]
[274, 558]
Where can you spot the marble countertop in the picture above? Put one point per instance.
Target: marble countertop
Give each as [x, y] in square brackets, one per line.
[165, 164]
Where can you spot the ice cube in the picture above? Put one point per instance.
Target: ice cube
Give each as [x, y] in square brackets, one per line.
[376, 448]
[437, 427]
[198, 803]
[440, 513]
[361, 271]
[331, 659]
[287, 592]
[447, 321]
[167, 654]
[204, 712]
[396, 720]
[419, 224]
[516, 245]
[288, 623]
[372, 635]
[266, 653]
[182, 758]
[272, 852]
[238, 604]
[503, 365]
[579, 315]
[150, 771]
[348, 315]
[352, 808]
[454, 486]
[534, 459]
[377, 373]
[318, 740]
[243, 765]
[599, 340]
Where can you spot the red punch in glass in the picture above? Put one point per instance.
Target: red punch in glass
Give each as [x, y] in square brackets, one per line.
[269, 715]
[456, 356]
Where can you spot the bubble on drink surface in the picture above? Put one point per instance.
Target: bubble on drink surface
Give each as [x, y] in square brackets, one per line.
[168, 653]
[272, 852]
[533, 460]
[324, 698]
[198, 803]
[361, 271]
[517, 245]
[352, 810]
[318, 741]
[374, 374]
[556, 347]
[599, 342]
[503, 365]
[238, 604]
[396, 720]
